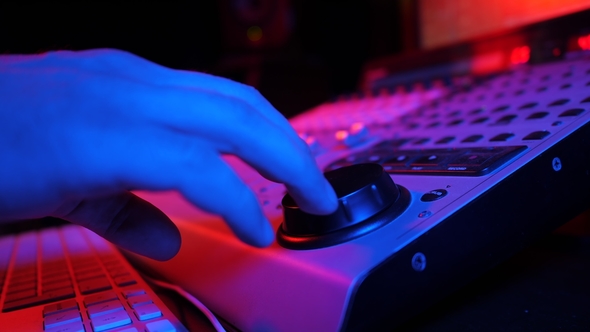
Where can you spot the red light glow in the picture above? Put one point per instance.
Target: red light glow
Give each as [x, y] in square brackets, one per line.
[584, 42]
[520, 55]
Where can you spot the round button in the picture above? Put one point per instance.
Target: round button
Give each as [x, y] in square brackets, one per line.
[367, 199]
[434, 195]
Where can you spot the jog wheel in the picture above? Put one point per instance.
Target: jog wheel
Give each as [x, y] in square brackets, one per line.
[367, 199]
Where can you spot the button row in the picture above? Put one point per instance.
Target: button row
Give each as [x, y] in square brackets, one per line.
[466, 161]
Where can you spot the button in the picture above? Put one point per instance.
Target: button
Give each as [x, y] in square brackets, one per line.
[110, 321]
[455, 123]
[125, 280]
[69, 327]
[434, 195]
[104, 308]
[502, 137]
[572, 112]
[506, 119]
[424, 214]
[537, 135]
[135, 301]
[132, 292]
[537, 115]
[528, 105]
[63, 317]
[500, 108]
[94, 285]
[472, 139]
[445, 140]
[100, 297]
[421, 141]
[400, 160]
[356, 134]
[147, 311]
[559, 102]
[160, 326]
[58, 307]
[480, 120]
[427, 160]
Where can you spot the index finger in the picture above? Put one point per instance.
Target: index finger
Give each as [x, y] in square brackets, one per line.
[235, 127]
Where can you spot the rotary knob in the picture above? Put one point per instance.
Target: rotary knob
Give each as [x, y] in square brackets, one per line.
[367, 199]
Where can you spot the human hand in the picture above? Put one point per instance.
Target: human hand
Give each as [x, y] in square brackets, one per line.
[78, 130]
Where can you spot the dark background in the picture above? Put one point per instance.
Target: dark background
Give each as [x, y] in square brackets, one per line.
[309, 52]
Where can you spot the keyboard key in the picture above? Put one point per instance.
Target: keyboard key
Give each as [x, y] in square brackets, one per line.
[59, 307]
[68, 316]
[132, 292]
[110, 321]
[117, 271]
[22, 287]
[104, 308]
[54, 295]
[147, 312]
[160, 326]
[46, 287]
[124, 280]
[21, 294]
[94, 285]
[69, 327]
[135, 301]
[100, 297]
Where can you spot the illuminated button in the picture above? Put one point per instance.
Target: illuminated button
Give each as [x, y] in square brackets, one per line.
[104, 308]
[147, 311]
[160, 326]
[356, 134]
[110, 321]
[63, 317]
[311, 141]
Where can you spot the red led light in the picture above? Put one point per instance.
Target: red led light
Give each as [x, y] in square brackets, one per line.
[520, 55]
[584, 42]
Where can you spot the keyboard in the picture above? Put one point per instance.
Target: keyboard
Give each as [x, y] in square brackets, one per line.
[68, 279]
[485, 166]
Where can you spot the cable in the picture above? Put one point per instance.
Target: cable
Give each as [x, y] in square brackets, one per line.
[212, 319]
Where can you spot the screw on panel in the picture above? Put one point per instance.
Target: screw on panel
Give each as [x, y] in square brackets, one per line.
[557, 165]
[419, 262]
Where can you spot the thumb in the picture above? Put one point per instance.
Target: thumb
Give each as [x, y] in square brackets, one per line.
[127, 221]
